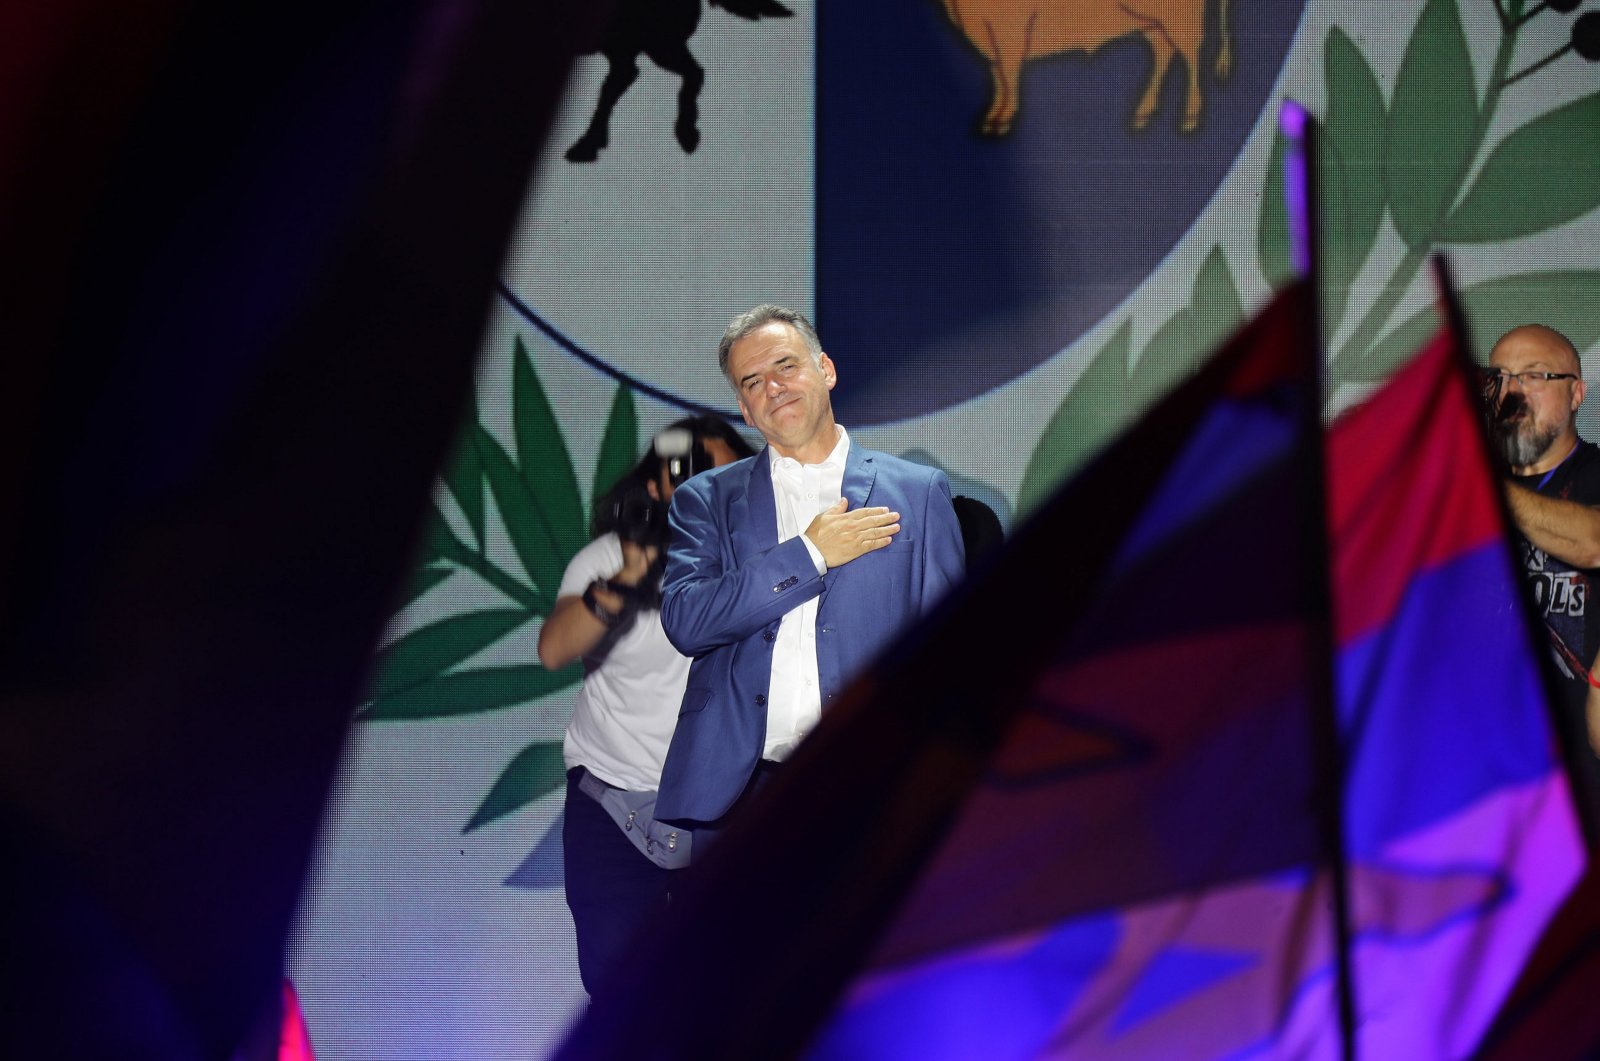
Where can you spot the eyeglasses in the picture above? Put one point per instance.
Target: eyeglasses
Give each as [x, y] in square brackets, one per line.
[1529, 380]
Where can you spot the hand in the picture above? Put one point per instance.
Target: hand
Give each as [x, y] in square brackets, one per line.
[636, 562]
[841, 536]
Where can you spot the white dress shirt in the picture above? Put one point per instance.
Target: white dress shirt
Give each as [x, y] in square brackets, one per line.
[794, 696]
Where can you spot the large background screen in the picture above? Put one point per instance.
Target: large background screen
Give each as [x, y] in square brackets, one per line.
[1006, 264]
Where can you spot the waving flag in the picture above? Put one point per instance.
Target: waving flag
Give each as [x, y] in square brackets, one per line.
[1123, 879]
[1460, 818]
[1551, 1014]
[1460, 836]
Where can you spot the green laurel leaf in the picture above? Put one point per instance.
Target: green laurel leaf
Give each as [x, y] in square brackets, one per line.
[1429, 131]
[537, 771]
[463, 477]
[1091, 412]
[422, 580]
[1564, 299]
[1170, 351]
[1394, 350]
[1272, 223]
[1349, 171]
[620, 446]
[439, 542]
[470, 692]
[528, 521]
[1180, 343]
[433, 649]
[1542, 174]
[542, 455]
[1214, 304]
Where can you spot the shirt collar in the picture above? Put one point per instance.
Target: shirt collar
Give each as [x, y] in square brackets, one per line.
[832, 462]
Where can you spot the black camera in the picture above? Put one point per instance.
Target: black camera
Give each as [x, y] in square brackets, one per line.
[640, 518]
[682, 453]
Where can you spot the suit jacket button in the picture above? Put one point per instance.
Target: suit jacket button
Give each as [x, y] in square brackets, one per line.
[769, 636]
[761, 699]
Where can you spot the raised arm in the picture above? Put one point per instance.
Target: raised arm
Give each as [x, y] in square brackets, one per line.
[1566, 530]
[572, 630]
[706, 602]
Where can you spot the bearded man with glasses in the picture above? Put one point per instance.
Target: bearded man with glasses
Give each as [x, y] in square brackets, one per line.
[1533, 388]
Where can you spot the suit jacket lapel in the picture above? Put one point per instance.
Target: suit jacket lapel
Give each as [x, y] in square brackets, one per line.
[859, 473]
[753, 514]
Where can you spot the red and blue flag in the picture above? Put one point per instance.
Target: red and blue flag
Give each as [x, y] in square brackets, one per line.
[1459, 836]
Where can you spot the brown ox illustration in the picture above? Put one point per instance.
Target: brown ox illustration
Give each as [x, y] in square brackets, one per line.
[1010, 32]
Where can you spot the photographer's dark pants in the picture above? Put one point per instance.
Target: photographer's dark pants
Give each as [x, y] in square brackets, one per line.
[612, 889]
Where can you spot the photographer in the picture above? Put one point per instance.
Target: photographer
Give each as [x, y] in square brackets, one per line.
[618, 861]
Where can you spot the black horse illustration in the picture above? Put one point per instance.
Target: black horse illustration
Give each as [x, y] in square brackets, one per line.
[661, 30]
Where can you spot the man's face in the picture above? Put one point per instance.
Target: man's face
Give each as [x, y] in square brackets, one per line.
[782, 392]
[1530, 419]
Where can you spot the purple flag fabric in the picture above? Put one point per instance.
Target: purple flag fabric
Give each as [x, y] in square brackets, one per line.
[1123, 879]
[1460, 817]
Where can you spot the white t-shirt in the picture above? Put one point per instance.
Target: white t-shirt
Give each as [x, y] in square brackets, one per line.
[628, 705]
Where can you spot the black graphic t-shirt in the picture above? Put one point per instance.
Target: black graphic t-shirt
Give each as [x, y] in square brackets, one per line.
[1561, 592]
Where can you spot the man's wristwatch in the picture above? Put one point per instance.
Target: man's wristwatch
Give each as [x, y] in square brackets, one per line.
[598, 610]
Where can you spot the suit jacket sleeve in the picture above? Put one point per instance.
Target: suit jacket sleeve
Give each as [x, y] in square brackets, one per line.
[710, 599]
[945, 561]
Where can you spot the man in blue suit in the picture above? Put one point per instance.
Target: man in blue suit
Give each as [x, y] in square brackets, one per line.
[789, 571]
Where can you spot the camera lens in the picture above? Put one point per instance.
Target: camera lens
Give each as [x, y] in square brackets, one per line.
[641, 519]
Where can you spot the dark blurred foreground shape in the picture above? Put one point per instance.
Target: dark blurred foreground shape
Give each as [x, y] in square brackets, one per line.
[248, 254]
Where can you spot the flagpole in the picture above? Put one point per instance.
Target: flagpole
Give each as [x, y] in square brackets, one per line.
[1300, 200]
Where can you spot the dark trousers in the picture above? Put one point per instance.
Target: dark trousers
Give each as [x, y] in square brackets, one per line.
[612, 889]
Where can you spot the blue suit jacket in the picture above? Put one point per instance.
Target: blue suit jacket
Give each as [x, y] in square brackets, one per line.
[728, 584]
